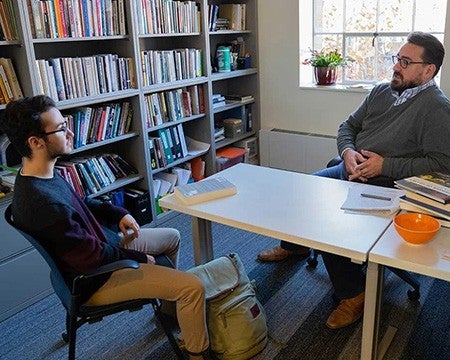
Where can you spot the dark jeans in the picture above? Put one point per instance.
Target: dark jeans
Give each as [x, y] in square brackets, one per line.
[348, 278]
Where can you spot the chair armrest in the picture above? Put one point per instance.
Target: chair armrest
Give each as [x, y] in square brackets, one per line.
[335, 161]
[105, 269]
[111, 267]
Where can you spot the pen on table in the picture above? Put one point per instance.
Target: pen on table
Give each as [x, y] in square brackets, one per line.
[378, 197]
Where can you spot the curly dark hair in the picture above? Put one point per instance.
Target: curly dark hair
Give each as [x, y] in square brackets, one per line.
[433, 50]
[22, 119]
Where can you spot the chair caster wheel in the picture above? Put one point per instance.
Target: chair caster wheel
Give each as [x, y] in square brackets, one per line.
[413, 295]
[312, 263]
[65, 337]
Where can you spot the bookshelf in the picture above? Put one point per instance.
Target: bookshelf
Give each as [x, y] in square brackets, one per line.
[136, 35]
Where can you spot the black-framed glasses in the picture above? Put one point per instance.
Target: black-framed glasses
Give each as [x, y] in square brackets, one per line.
[63, 129]
[404, 63]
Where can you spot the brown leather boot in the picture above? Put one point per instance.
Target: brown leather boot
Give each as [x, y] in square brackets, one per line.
[279, 254]
[347, 312]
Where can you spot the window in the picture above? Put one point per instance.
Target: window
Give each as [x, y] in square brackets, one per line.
[369, 31]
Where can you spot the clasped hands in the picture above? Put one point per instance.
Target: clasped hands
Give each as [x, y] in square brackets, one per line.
[362, 165]
[130, 230]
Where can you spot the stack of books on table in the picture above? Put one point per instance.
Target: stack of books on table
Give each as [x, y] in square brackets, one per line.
[428, 194]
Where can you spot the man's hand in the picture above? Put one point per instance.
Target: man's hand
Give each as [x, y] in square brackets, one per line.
[128, 222]
[352, 159]
[369, 168]
[151, 260]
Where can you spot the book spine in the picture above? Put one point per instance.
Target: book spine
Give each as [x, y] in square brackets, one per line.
[4, 85]
[37, 22]
[432, 209]
[165, 141]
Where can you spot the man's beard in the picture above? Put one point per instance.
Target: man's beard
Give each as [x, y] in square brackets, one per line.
[54, 153]
[397, 83]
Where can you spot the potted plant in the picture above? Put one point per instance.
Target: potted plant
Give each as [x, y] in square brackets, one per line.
[325, 64]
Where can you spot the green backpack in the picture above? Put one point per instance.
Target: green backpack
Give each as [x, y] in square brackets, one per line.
[236, 320]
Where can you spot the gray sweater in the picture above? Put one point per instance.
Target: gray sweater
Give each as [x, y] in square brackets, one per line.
[413, 138]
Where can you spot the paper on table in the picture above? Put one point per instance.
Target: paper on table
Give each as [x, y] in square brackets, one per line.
[357, 202]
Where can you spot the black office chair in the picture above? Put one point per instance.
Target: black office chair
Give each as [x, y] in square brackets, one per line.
[78, 314]
[413, 294]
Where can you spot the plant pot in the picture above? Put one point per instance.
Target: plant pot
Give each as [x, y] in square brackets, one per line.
[325, 75]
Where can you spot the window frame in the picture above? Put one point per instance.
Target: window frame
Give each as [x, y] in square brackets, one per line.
[307, 37]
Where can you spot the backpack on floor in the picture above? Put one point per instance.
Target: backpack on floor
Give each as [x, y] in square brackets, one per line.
[236, 320]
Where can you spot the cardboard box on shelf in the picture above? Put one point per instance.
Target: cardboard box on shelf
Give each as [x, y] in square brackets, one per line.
[233, 127]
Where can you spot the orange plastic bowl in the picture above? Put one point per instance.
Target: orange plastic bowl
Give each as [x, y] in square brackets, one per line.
[416, 228]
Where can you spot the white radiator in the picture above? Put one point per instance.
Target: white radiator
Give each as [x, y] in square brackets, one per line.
[295, 151]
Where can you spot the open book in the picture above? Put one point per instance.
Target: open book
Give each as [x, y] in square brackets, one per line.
[205, 190]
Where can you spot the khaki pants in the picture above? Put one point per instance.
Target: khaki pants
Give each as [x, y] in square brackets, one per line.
[153, 281]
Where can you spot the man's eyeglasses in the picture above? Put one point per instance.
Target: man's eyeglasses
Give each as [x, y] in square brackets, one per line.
[63, 129]
[404, 63]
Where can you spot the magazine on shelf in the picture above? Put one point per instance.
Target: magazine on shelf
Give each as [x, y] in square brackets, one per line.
[435, 186]
[205, 190]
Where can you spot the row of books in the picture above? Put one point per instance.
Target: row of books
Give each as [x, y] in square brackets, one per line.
[235, 14]
[8, 26]
[168, 16]
[428, 194]
[162, 66]
[68, 78]
[93, 124]
[168, 146]
[174, 105]
[9, 84]
[76, 18]
[92, 174]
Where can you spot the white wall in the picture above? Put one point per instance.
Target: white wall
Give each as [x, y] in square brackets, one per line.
[283, 104]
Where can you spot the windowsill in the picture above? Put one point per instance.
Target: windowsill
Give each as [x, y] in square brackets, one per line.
[358, 88]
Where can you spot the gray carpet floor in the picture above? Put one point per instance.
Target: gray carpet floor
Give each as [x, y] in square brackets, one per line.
[297, 301]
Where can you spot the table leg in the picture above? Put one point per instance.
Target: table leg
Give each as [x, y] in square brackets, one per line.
[372, 306]
[202, 240]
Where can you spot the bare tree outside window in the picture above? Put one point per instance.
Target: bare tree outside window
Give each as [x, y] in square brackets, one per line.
[369, 31]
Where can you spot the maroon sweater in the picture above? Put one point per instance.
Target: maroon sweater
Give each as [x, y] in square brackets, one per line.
[68, 227]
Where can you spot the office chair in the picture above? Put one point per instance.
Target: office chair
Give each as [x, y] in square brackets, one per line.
[78, 314]
[385, 181]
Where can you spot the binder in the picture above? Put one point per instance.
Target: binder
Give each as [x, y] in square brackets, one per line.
[137, 202]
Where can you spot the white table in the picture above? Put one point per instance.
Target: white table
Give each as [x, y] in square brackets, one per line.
[432, 259]
[298, 208]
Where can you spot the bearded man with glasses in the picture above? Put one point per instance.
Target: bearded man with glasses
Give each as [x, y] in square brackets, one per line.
[401, 129]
